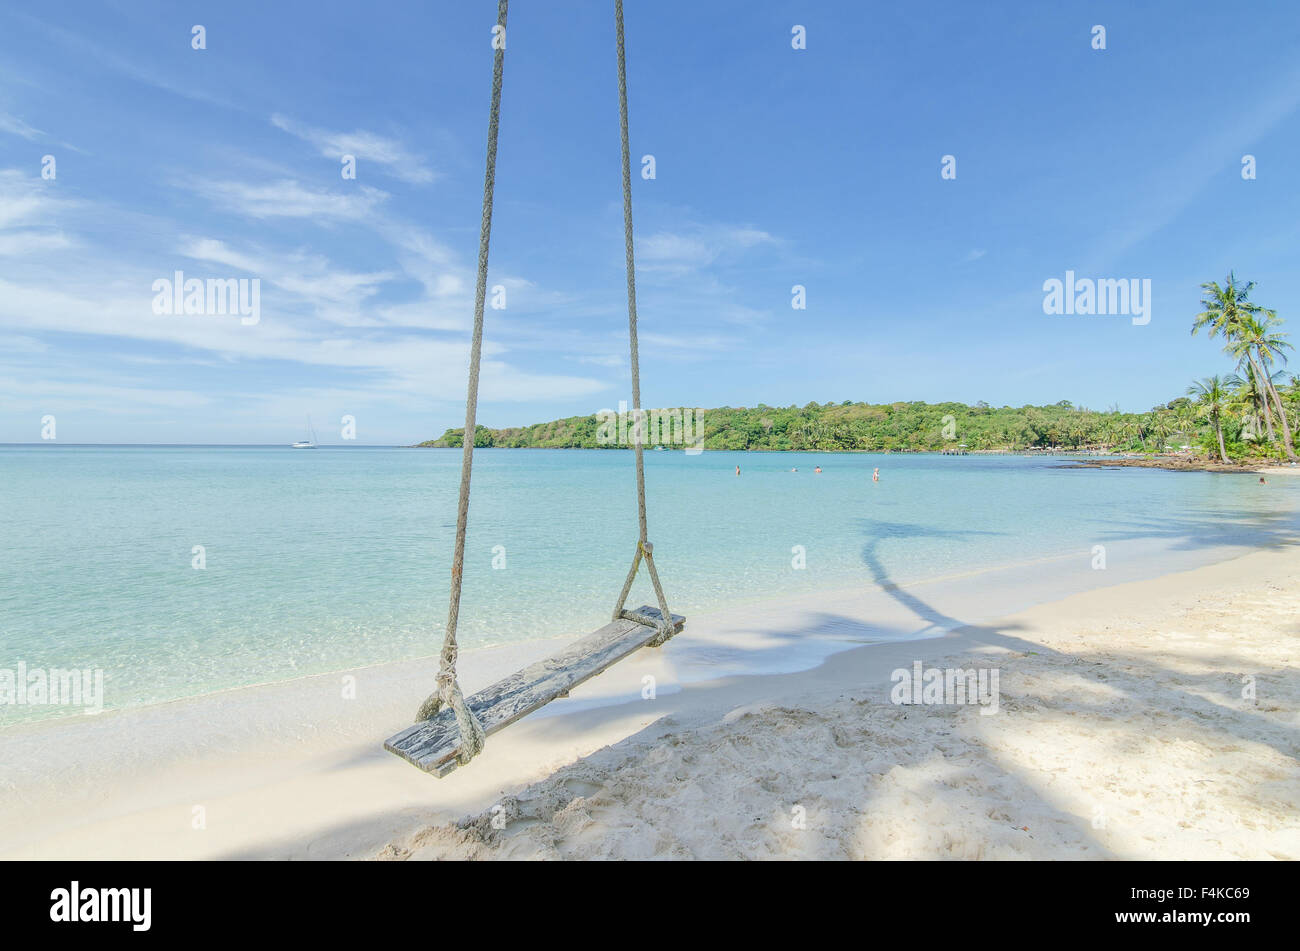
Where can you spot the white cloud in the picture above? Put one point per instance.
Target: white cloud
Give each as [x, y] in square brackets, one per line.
[11, 344]
[1177, 179]
[27, 212]
[697, 248]
[46, 393]
[14, 243]
[609, 360]
[290, 199]
[18, 209]
[685, 342]
[335, 294]
[666, 248]
[23, 200]
[413, 364]
[747, 237]
[84, 49]
[15, 126]
[744, 316]
[365, 146]
[313, 313]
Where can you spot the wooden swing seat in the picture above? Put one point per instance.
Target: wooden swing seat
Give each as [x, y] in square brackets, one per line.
[432, 745]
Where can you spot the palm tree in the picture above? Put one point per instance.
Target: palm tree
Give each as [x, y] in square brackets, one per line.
[1248, 330]
[1157, 425]
[1212, 402]
[1131, 431]
[1258, 337]
[1078, 430]
[1185, 420]
[1253, 399]
[1292, 393]
[1249, 401]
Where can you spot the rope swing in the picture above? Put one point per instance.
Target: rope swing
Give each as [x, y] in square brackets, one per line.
[448, 692]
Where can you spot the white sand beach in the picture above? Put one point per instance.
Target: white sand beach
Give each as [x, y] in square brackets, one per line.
[1121, 732]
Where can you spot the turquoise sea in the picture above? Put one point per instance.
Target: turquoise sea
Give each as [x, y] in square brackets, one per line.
[334, 558]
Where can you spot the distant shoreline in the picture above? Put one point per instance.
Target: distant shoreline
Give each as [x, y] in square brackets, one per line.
[829, 452]
[1101, 459]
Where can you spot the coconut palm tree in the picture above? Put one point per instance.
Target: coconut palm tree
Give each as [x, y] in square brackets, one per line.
[1225, 309]
[1259, 337]
[1212, 402]
[1291, 394]
[1157, 426]
[1185, 422]
[1131, 431]
[1107, 433]
[1248, 400]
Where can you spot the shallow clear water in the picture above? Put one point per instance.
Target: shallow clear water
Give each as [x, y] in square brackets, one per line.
[333, 558]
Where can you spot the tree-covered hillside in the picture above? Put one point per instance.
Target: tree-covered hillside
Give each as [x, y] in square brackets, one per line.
[923, 427]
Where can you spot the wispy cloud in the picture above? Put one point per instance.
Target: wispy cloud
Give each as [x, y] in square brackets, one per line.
[28, 212]
[22, 200]
[86, 50]
[608, 360]
[698, 247]
[335, 295]
[15, 126]
[290, 199]
[68, 394]
[365, 146]
[317, 314]
[1186, 172]
[743, 316]
[13, 243]
[686, 346]
[411, 364]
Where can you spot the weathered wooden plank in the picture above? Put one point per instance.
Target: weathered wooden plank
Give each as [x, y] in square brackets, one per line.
[433, 744]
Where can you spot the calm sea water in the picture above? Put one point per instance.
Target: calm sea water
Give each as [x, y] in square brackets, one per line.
[333, 558]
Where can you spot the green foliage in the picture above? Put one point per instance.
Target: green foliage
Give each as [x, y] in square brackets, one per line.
[901, 427]
[484, 438]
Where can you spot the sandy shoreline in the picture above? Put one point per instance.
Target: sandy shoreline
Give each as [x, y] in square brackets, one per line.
[1126, 730]
[1121, 733]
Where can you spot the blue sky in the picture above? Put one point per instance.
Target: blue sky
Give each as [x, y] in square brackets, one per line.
[775, 167]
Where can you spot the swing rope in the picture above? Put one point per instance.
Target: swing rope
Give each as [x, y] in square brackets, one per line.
[448, 688]
[644, 550]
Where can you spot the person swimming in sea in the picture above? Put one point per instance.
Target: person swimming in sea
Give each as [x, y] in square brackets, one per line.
[875, 475]
[818, 469]
[737, 470]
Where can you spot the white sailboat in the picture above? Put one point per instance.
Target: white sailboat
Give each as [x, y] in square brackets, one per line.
[310, 442]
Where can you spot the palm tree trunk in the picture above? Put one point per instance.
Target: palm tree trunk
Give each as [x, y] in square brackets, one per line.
[1218, 431]
[1281, 414]
[1262, 380]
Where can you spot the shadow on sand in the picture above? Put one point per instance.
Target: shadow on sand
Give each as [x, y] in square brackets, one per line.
[1146, 681]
